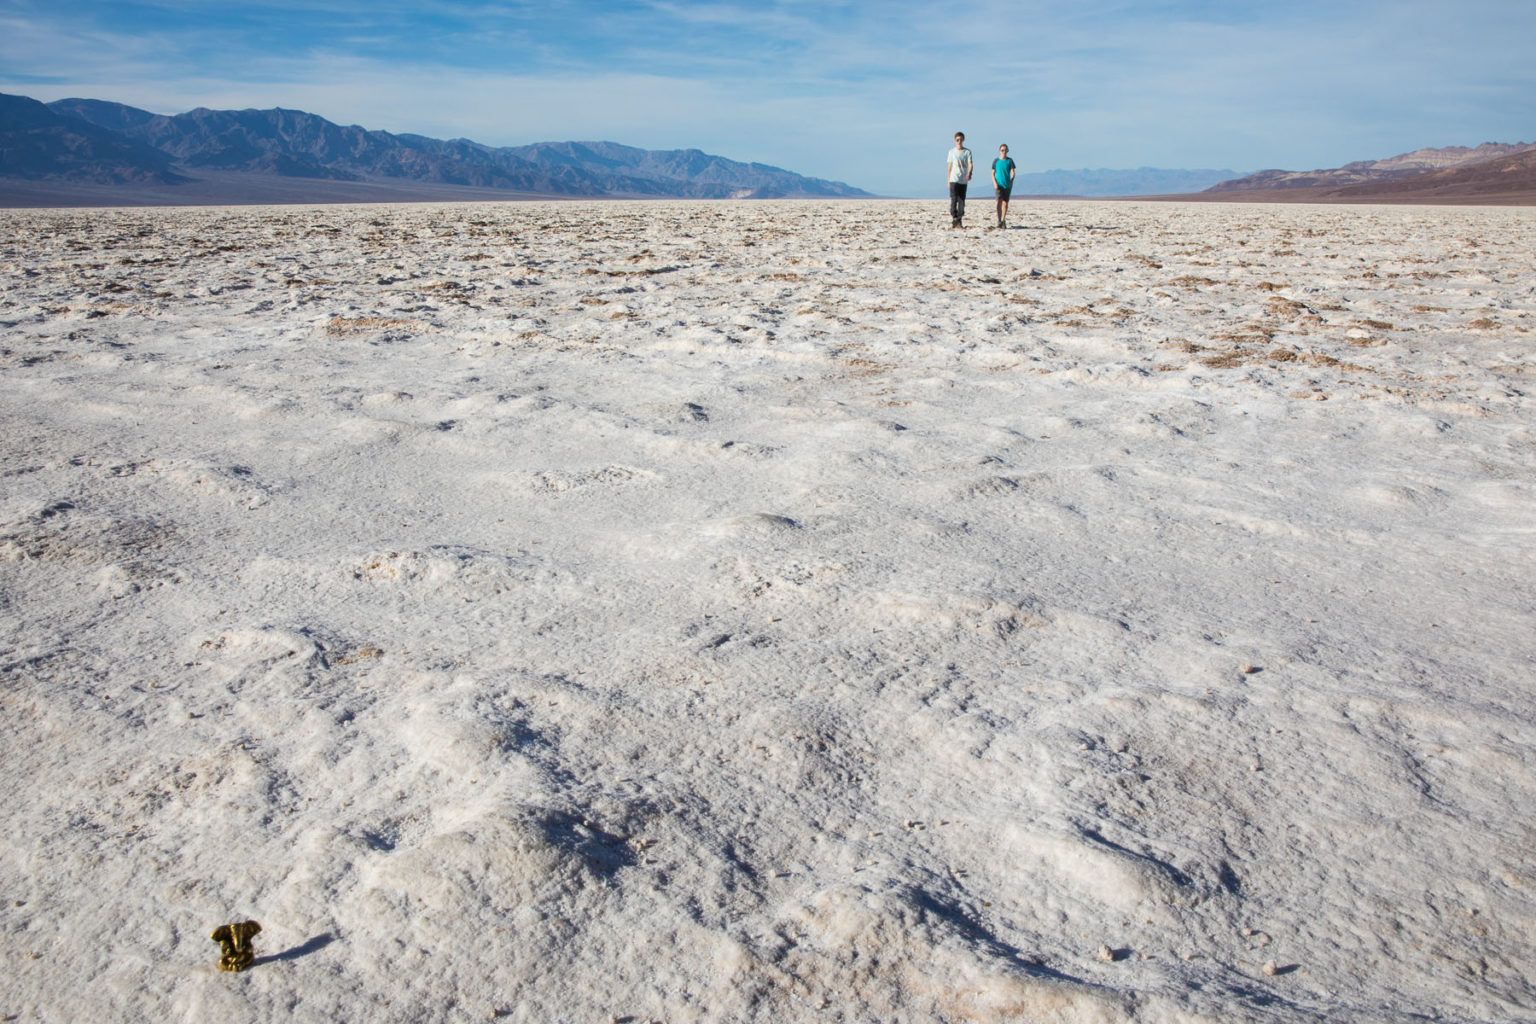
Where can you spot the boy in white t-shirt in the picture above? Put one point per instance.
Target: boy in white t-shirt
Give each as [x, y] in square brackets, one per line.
[960, 166]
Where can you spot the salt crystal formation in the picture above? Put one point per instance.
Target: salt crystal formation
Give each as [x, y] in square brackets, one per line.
[768, 612]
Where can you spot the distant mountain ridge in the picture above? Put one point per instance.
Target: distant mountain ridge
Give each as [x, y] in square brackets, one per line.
[37, 142]
[1507, 177]
[1375, 172]
[102, 143]
[1140, 181]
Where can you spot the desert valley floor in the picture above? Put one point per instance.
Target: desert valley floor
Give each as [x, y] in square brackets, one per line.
[686, 612]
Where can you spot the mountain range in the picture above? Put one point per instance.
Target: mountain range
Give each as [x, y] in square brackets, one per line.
[203, 153]
[1491, 172]
[84, 152]
[1103, 181]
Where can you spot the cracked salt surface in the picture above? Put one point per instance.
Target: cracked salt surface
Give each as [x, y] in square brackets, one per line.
[775, 611]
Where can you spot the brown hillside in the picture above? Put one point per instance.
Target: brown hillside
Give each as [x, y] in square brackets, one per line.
[1506, 180]
[1509, 175]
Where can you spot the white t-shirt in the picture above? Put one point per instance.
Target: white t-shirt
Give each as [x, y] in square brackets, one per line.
[960, 166]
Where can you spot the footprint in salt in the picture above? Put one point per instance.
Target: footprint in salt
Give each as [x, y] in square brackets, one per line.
[555, 481]
[753, 524]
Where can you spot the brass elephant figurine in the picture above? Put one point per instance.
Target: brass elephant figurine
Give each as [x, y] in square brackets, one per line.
[235, 952]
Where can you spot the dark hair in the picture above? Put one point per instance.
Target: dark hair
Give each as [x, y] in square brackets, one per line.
[959, 135]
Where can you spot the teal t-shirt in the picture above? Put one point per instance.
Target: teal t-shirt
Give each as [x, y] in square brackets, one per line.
[1002, 171]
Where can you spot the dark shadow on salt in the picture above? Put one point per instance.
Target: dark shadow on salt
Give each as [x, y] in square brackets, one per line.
[308, 946]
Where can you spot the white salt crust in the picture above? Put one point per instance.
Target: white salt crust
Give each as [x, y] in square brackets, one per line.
[769, 612]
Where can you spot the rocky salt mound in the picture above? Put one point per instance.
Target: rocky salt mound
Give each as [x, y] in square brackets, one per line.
[777, 612]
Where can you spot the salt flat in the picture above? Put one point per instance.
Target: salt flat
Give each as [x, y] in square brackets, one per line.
[769, 612]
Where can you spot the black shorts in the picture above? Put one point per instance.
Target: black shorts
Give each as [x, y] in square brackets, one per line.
[1004, 193]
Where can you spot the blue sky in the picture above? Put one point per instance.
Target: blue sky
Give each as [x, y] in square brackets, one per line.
[867, 93]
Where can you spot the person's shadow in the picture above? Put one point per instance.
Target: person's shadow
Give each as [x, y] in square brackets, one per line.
[308, 946]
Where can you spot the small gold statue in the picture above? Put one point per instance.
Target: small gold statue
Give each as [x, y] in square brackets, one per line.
[235, 952]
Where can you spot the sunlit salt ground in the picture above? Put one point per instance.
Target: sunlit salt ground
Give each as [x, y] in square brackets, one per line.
[769, 612]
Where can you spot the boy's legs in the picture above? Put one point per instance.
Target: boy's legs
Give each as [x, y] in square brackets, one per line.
[956, 203]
